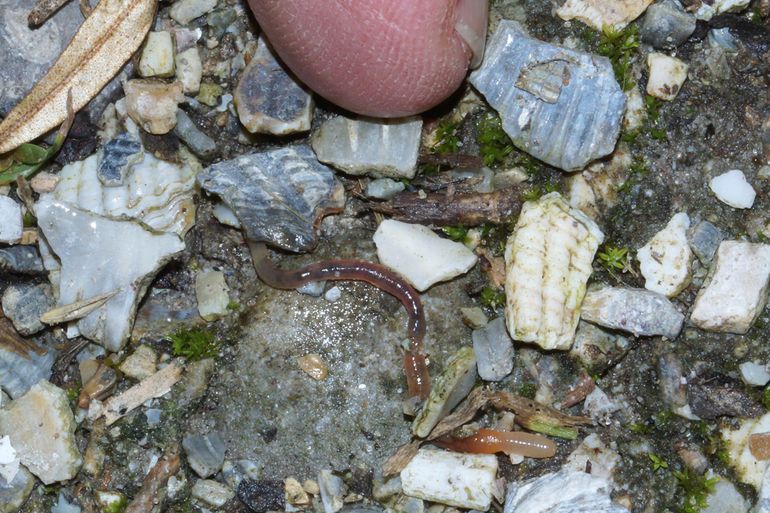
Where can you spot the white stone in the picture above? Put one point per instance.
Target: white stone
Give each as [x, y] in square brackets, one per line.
[636, 112]
[725, 499]
[212, 492]
[153, 105]
[225, 215]
[601, 13]
[737, 292]
[189, 70]
[548, 262]
[563, 491]
[733, 189]
[157, 55]
[9, 461]
[748, 469]
[140, 364]
[12, 225]
[763, 495]
[331, 488]
[665, 261]
[41, 427]
[212, 294]
[603, 460]
[705, 12]
[754, 374]
[184, 11]
[333, 294]
[460, 480]
[419, 255]
[667, 74]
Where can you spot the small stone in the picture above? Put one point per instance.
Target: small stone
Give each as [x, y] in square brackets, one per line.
[219, 20]
[419, 255]
[194, 382]
[673, 385]
[295, 494]
[637, 311]
[667, 74]
[12, 225]
[117, 158]
[186, 38]
[601, 13]
[372, 147]
[665, 261]
[14, 494]
[593, 454]
[332, 491]
[205, 453]
[764, 172]
[461, 480]
[384, 188]
[262, 495]
[23, 304]
[195, 139]
[311, 487]
[636, 113]
[184, 11]
[211, 492]
[333, 294]
[725, 499]
[44, 182]
[21, 260]
[754, 374]
[749, 469]
[189, 70]
[269, 99]
[19, 373]
[209, 93]
[474, 317]
[314, 366]
[710, 401]
[737, 292]
[157, 56]
[705, 239]
[313, 288]
[154, 416]
[64, 506]
[597, 348]
[567, 491]
[140, 364]
[212, 294]
[708, 10]
[110, 501]
[666, 25]
[42, 430]
[153, 105]
[733, 189]
[494, 352]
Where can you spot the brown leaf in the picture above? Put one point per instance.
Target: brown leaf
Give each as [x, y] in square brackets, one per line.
[475, 401]
[400, 459]
[11, 340]
[101, 46]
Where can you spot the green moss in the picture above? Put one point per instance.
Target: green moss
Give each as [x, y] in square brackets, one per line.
[766, 398]
[194, 344]
[620, 47]
[233, 305]
[494, 143]
[492, 297]
[696, 489]
[456, 233]
[447, 139]
[658, 463]
[528, 390]
[614, 258]
[118, 506]
[640, 428]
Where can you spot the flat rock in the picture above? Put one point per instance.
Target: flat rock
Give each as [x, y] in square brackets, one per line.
[262, 495]
[641, 312]
[42, 430]
[195, 139]
[157, 59]
[749, 469]
[185, 11]
[369, 146]
[737, 292]
[562, 106]
[21, 260]
[24, 303]
[665, 261]
[11, 227]
[189, 69]
[140, 364]
[277, 195]
[153, 105]
[564, 491]
[494, 350]
[212, 294]
[269, 99]
[205, 453]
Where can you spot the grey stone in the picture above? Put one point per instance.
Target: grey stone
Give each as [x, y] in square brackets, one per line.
[277, 195]
[65, 506]
[673, 391]
[18, 373]
[15, 493]
[21, 260]
[666, 25]
[332, 490]
[384, 188]
[116, 160]
[494, 350]
[562, 106]
[637, 311]
[262, 495]
[205, 453]
[712, 400]
[194, 383]
[704, 241]
[596, 348]
[23, 304]
[211, 492]
[269, 100]
[195, 139]
[722, 39]
[370, 146]
[218, 21]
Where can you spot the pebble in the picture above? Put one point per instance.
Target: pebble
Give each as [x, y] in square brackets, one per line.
[666, 25]
[384, 188]
[24, 303]
[601, 13]
[593, 454]
[725, 499]
[154, 416]
[64, 506]
[184, 11]
[153, 105]
[705, 239]
[212, 294]
[205, 453]
[723, 39]
[140, 364]
[638, 311]
[211, 492]
[713, 400]
[194, 382]
[379, 148]
[706, 11]
[597, 348]
[268, 99]
[461, 480]
[295, 494]
[219, 20]
[494, 351]
[474, 317]
[763, 495]
[333, 294]
[332, 491]
[667, 74]
[754, 374]
[665, 261]
[673, 385]
[566, 490]
[14, 494]
[12, 225]
[733, 189]
[189, 70]
[42, 430]
[314, 366]
[157, 58]
[21, 260]
[737, 292]
[419, 255]
[262, 495]
[195, 139]
[636, 113]
[110, 501]
[543, 112]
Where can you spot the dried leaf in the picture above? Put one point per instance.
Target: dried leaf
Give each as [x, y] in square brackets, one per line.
[157, 385]
[538, 417]
[475, 401]
[76, 310]
[401, 458]
[101, 46]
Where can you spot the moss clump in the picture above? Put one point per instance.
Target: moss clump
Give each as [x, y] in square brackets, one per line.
[620, 47]
[494, 143]
[194, 344]
[696, 490]
[447, 140]
[613, 258]
[456, 233]
[492, 298]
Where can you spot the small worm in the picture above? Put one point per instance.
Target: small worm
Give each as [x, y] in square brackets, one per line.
[415, 367]
[490, 441]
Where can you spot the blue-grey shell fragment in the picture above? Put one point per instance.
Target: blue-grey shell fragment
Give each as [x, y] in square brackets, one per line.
[18, 373]
[278, 195]
[559, 105]
[118, 156]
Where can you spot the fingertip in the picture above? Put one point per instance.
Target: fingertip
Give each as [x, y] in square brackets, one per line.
[471, 25]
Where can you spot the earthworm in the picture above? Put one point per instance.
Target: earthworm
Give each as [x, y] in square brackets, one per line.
[490, 441]
[415, 367]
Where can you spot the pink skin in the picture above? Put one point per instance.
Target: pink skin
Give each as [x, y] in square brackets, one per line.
[383, 58]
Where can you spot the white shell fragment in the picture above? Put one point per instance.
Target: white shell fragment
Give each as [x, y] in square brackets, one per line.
[564, 491]
[419, 255]
[705, 12]
[11, 226]
[562, 106]
[157, 56]
[460, 480]
[638, 311]
[548, 262]
[211, 292]
[748, 469]
[600, 13]
[667, 74]
[733, 189]
[737, 292]
[665, 261]
[370, 146]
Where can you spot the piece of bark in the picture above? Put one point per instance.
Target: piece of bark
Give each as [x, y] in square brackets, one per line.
[584, 386]
[156, 385]
[452, 160]
[43, 10]
[464, 413]
[533, 415]
[401, 458]
[153, 484]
